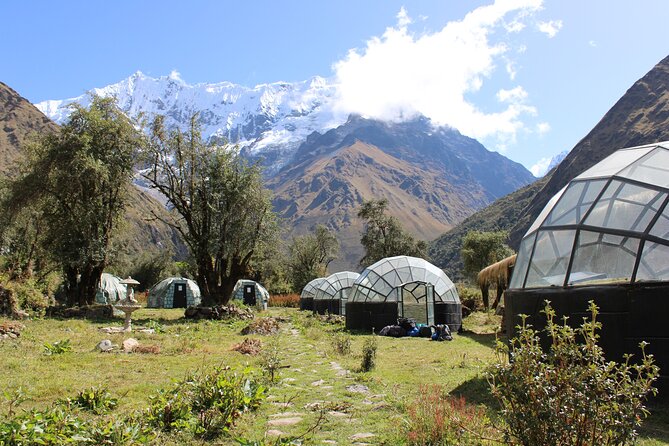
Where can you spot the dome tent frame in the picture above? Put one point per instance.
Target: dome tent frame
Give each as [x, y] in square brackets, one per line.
[403, 286]
[172, 291]
[604, 238]
[308, 293]
[332, 293]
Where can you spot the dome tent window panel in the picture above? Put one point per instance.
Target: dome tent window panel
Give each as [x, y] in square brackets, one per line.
[550, 258]
[522, 262]
[603, 258]
[653, 265]
[661, 227]
[546, 210]
[653, 168]
[614, 163]
[574, 203]
[625, 206]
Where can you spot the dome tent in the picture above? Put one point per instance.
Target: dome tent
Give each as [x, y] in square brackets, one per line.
[174, 292]
[110, 289]
[603, 237]
[251, 293]
[308, 293]
[332, 293]
[403, 286]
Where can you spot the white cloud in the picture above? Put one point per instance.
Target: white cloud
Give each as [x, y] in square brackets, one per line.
[550, 28]
[543, 128]
[399, 75]
[541, 166]
[592, 43]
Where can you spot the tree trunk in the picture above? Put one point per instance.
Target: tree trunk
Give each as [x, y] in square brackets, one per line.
[72, 286]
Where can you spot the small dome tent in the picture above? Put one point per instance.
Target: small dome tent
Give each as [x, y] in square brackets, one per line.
[251, 293]
[174, 292]
[403, 286]
[332, 293]
[110, 289]
[308, 293]
[604, 237]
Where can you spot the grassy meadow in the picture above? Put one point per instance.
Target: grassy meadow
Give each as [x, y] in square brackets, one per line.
[319, 394]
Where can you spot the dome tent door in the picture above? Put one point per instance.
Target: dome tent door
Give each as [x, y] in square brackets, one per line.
[417, 302]
[249, 295]
[179, 295]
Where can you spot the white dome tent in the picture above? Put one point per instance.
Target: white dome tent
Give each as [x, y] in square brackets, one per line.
[251, 293]
[308, 293]
[603, 237]
[332, 293]
[403, 286]
[174, 292]
[110, 289]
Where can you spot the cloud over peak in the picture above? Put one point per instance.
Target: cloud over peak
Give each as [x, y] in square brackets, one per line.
[401, 74]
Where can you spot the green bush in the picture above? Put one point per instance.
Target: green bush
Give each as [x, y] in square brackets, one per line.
[569, 395]
[94, 399]
[205, 404]
[369, 354]
[57, 348]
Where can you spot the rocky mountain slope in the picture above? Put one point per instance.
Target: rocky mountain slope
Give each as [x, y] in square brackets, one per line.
[640, 116]
[22, 121]
[432, 178]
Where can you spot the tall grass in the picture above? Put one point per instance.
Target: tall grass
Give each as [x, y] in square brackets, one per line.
[285, 300]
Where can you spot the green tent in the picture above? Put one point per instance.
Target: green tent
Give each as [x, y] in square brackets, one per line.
[174, 292]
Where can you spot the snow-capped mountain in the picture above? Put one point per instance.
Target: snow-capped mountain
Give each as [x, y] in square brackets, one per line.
[268, 120]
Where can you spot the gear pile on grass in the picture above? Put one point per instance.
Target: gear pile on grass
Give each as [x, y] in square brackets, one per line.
[262, 326]
[218, 313]
[249, 346]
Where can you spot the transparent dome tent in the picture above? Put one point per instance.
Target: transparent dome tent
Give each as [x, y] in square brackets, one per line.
[332, 293]
[308, 293]
[603, 237]
[403, 286]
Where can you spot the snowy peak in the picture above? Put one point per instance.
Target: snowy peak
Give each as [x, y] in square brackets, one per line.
[268, 120]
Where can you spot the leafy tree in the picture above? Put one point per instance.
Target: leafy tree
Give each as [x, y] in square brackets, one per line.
[77, 180]
[384, 236]
[480, 249]
[221, 208]
[310, 256]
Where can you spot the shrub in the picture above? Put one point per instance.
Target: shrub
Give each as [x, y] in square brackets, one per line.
[57, 348]
[341, 343]
[206, 404]
[369, 354]
[284, 300]
[94, 399]
[435, 418]
[270, 359]
[569, 395]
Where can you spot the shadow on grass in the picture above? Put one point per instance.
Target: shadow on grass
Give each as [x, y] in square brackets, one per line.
[656, 425]
[476, 391]
[487, 339]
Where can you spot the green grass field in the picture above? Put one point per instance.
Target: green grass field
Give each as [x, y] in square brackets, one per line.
[313, 380]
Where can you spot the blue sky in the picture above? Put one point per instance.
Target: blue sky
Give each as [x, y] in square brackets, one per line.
[528, 78]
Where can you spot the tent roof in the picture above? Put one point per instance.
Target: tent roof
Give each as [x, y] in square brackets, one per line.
[309, 290]
[610, 224]
[379, 282]
[333, 284]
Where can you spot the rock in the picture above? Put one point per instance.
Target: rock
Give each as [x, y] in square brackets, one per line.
[318, 383]
[357, 388]
[284, 421]
[274, 433]
[105, 346]
[362, 436]
[130, 344]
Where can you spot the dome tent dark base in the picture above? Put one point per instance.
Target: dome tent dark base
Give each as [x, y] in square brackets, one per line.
[629, 314]
[368, 315]
[307, 303]
[323, 306]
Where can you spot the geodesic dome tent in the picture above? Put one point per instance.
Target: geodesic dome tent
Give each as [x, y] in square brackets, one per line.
[332, 293]
[603, 237]
[403, 286]
[308, 293]
[110, 289]
[174, 292]
[251, 293]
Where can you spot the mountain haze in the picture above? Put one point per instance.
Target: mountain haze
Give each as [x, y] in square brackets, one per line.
[640, 116]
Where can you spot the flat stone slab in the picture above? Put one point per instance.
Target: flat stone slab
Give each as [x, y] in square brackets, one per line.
[286, 414]
[284, 421]
[274, 433]
[362, 436]
[357, 388]
[318, 383]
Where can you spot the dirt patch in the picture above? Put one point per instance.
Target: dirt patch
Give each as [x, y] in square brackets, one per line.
[219, 312]
[249, 346]
[10, 329]
[147, 349]
[262, 326]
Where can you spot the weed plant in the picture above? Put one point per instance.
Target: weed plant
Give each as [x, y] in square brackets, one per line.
[57, 348]
[341, 343]
[369, 354]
